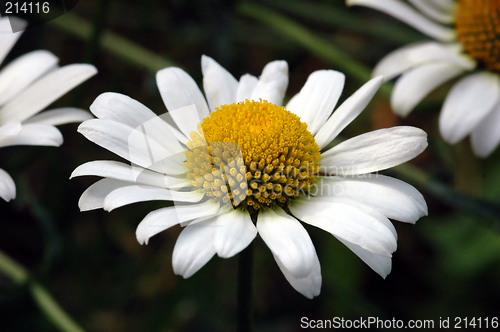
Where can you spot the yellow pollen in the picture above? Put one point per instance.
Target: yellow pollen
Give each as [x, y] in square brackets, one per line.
[478, 29]
[253, 155]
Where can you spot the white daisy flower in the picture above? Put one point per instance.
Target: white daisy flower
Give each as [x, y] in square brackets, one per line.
[472, 107]
[28, 85]
[260, 172]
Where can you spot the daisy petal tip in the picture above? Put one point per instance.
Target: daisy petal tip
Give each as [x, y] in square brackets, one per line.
[378, 79]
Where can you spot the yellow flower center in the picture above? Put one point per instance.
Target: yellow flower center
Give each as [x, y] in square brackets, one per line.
[478, 29]
[252, 155]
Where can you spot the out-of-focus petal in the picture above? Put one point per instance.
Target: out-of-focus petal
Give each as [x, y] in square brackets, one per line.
[468, 103]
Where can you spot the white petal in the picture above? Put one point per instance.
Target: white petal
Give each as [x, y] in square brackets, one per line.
[347, 112]
[375, 151]
[444, 5]
[186, 118]
[288, 240]
[133, 145]
[405, 13]
[219, 85]
[34, 134]
[318, 98]
[121, 171]
[360, 206]
[12, 128]
[194, 248]
[133, 194]
[419, 53]
[179, 90]
[125, 110]
[310, 285]
[380, 264]
[121, 108]
[293, 102]
[245, 87]
[159, 220]
[7, 186]
[463, 109]
[433, 11]
[272, 83]
[415, 84]
[486, 136]
[60, 116]
[45, 91]
[234, 232]
[93, 197]
[23, 71]
[394, 198]
[9, 38]
[347, 222]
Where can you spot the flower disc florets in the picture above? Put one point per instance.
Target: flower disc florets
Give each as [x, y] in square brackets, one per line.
[252, 155]
[478, 29]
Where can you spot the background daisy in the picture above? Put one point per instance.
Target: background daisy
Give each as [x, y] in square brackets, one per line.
[28, 85]
[472, 45]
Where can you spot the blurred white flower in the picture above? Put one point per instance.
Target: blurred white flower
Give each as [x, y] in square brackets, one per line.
[472, 107]
[28, 85]
[252, 166]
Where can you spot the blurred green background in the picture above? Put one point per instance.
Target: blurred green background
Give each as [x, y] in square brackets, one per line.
[447, 265]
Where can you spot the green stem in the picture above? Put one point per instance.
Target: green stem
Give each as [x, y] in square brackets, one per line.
[245, 259]
[112, 42]
[42, 297]
[307, 39]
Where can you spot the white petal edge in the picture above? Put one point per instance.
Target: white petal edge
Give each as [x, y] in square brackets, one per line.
[394, 198]
[310, 285]
[159, 220]
[245, 87]
[194, 248]
[12, 128]
[433, 11]
[7, 186]
[347, 112]
[407, 57]
[347, 222]
[125, 172]
[380, 264]
[23, 71]
[463, 110]
[134, 194]
[45, 91]
[415, 84]
[410, 16]
[374, 151]
[318, 97]
[60, 116]
[34, 134]
[219, 85]
[178, 90]
[234, 232]
[134, 145]
[93, 197]
[272, 83]
[9, 38]
[288, 240]
[486, 136]
[128, 111]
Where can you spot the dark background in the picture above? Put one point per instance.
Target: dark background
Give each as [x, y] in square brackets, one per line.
[447, 265]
